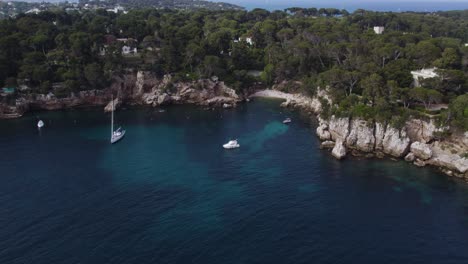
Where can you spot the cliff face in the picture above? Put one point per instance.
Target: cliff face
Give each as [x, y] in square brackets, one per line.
[417, 145]
[140, 88]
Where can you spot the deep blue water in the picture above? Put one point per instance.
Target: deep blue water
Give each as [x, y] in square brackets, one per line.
[168, 193]
[351, 5]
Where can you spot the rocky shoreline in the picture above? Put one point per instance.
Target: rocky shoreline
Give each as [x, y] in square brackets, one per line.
[140, 88]
[416, 141]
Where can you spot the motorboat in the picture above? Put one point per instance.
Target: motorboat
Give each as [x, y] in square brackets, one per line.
[40, 124]
[287, 121]
[231, 144]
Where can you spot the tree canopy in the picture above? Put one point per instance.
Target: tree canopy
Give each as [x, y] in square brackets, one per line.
[317, 47]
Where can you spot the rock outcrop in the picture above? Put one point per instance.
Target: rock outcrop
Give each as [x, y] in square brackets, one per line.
[339, 151]
[202, 92]
[135, 88]
[410, 157]
[327, 144]
[443, 157]
[421, 150]
[395, 142]
[422, 131]
[322, 132]
[361, 136]
[339, 128]
[113, 104]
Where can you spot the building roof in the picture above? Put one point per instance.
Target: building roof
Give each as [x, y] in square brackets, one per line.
[425, 73]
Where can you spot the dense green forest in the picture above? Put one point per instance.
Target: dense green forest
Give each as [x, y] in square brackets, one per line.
[369, 75]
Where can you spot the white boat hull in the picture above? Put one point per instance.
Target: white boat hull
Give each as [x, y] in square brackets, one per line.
[231, 145]
[116, 138]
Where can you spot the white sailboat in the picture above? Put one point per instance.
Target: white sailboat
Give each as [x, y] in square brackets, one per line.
[119, 133]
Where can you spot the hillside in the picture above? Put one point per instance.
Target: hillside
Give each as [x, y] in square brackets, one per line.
[14, 8]
[171, 4]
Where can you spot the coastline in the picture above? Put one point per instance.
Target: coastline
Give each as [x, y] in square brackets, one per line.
[140, 88]
[415, 143]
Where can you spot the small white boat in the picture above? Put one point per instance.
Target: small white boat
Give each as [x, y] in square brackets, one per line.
[287, 121]
[40, 124]
[231, 144]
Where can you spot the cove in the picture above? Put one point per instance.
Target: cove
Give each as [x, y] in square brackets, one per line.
[169, 193]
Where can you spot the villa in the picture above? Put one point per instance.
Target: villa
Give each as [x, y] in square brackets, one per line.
[379, 30]
[423, 74]
[249, 40]
[128, 47]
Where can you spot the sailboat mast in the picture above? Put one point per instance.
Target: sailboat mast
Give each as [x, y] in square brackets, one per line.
[112, 117]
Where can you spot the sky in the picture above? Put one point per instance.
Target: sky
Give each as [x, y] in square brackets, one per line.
[350, 5]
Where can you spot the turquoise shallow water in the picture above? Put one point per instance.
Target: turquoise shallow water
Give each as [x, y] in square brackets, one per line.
[169, 193]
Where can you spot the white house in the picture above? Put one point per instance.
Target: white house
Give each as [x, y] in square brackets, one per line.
[117, 9]
[423, 74]
[249, 40]
[129, 46]
[129, 50]
[33, 11]
[379, 30]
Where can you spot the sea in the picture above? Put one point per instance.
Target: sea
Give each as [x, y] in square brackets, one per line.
[169, 193]
[374, 5]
